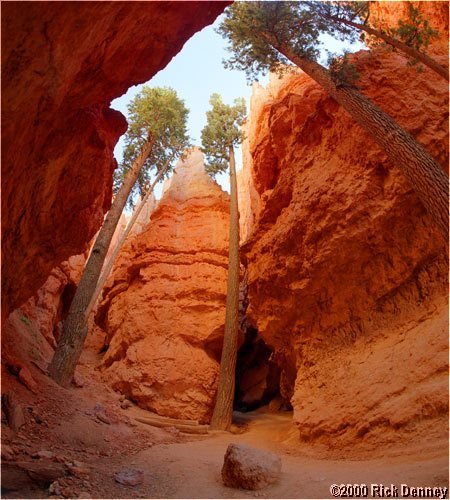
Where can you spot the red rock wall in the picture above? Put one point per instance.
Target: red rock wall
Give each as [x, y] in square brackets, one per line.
[164, 306]
[31, 331]
[386, 15]
[50, 305]
[347, 275]
[61, 67]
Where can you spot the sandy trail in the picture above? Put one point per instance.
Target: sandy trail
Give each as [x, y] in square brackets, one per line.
[192, 470]
[189, 466]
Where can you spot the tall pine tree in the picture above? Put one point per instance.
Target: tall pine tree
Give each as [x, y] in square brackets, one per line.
[157, 127]
[219, 137]
[411, 36]
[269, 35]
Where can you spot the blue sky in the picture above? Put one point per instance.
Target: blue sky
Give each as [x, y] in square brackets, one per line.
[195, 73]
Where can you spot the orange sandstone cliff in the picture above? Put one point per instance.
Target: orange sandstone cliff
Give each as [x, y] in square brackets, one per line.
[347, 275]
[386, 14]
[61, 67]
[164, 306]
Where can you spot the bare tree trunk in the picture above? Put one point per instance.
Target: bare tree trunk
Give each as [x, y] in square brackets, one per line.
[223, 410]
[109, 265]
[425, 176]
[398, 44]
[68, 350]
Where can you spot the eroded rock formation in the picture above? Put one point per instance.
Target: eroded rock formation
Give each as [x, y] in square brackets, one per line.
[144, 217]
[387, 14]
[164, 306]
[346, 273]
[61, 67]
[31, 332]
[50, 305]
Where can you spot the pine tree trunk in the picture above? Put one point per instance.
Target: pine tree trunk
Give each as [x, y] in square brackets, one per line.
[109, 265]
[70, 345]
[425, 176]
[398, 44]
[223, 410]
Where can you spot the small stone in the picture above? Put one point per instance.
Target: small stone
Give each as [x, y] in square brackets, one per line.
[78, 471]
[104, 418]
[130, 477]
[68, 492]
[42, 470]
[122, 397]
[126, 404]
[78, 380]
[55, 489]
[250, 468]
[27, 379]
[104, 414]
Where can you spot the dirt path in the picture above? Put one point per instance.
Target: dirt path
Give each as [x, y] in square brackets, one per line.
[85, 433]
[192, 470]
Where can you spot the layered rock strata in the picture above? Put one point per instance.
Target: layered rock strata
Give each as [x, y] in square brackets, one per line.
[346, 273]
[51, 303]
[164, 305]
[61, 67]
[31, 333]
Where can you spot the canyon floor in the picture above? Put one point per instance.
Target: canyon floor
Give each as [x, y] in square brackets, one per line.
[85, 438]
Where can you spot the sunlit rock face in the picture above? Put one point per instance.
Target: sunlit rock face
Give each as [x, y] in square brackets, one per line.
[61, 67]
[164, 306]
[143, 218]
[386, 15]
[347, 274]
[50, 304]
[30, 334]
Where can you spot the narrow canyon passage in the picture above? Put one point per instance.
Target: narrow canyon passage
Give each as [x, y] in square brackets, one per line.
[132, 400]
[93, 435]
[342, 352]
[196, 466]
[257, 376]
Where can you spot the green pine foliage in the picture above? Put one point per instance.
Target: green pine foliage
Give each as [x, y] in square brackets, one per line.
[357, 12]
[342, 71]
[221, 132]
[299, 26]
[288, 22]
[159, 113]
[296, 24]
[416, 31]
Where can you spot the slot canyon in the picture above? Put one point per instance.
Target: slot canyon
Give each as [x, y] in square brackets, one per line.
[342, 360]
